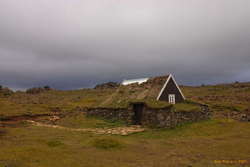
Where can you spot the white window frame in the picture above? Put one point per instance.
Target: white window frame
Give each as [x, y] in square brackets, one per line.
[171, 98]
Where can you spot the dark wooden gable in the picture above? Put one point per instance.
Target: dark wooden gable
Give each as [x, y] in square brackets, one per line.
[171, 88]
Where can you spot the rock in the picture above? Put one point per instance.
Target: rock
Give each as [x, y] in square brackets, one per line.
[160, 117]
[38, 90]
[107, 85]
[54, 118]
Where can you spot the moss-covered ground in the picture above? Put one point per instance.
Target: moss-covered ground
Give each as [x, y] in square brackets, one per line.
[217, 142]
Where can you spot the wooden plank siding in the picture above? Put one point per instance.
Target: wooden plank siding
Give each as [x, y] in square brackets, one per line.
[171, 88]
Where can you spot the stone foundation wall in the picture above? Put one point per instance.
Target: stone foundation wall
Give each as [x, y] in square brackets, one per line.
[123, 114]
[166, 118]
[162, 118]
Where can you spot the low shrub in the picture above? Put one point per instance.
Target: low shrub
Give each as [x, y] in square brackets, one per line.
[10, 163]
[2, 133]
[4, 91]
[54, 143]
[38, 90]
[107, 144]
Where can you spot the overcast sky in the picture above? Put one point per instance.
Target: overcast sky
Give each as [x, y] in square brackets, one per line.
[71, 44]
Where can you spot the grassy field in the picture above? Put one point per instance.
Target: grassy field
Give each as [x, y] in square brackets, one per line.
[218, 142]
[221, 98]
[197, 145]
[22, 103]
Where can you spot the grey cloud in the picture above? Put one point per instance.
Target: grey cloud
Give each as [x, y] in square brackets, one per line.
[78, 43]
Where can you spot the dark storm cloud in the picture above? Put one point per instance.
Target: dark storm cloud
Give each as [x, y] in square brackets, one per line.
[78, 43]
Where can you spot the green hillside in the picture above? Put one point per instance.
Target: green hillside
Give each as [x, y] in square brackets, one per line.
[219, 142]
[220, 98]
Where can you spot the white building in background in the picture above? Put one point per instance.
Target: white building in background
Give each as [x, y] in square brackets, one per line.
[131, 81]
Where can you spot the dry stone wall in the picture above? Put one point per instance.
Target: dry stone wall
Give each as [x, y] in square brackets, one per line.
[167, 118]
[243, 116]
[123, 114]
[160, 118]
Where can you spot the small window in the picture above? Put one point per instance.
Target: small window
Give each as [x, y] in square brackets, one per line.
[171, 98]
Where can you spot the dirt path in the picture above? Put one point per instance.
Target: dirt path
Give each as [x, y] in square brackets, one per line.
[114, 131]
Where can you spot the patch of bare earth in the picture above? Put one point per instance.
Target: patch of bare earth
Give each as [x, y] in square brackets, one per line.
[37, 120]
[16, 121]
[113, 131]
